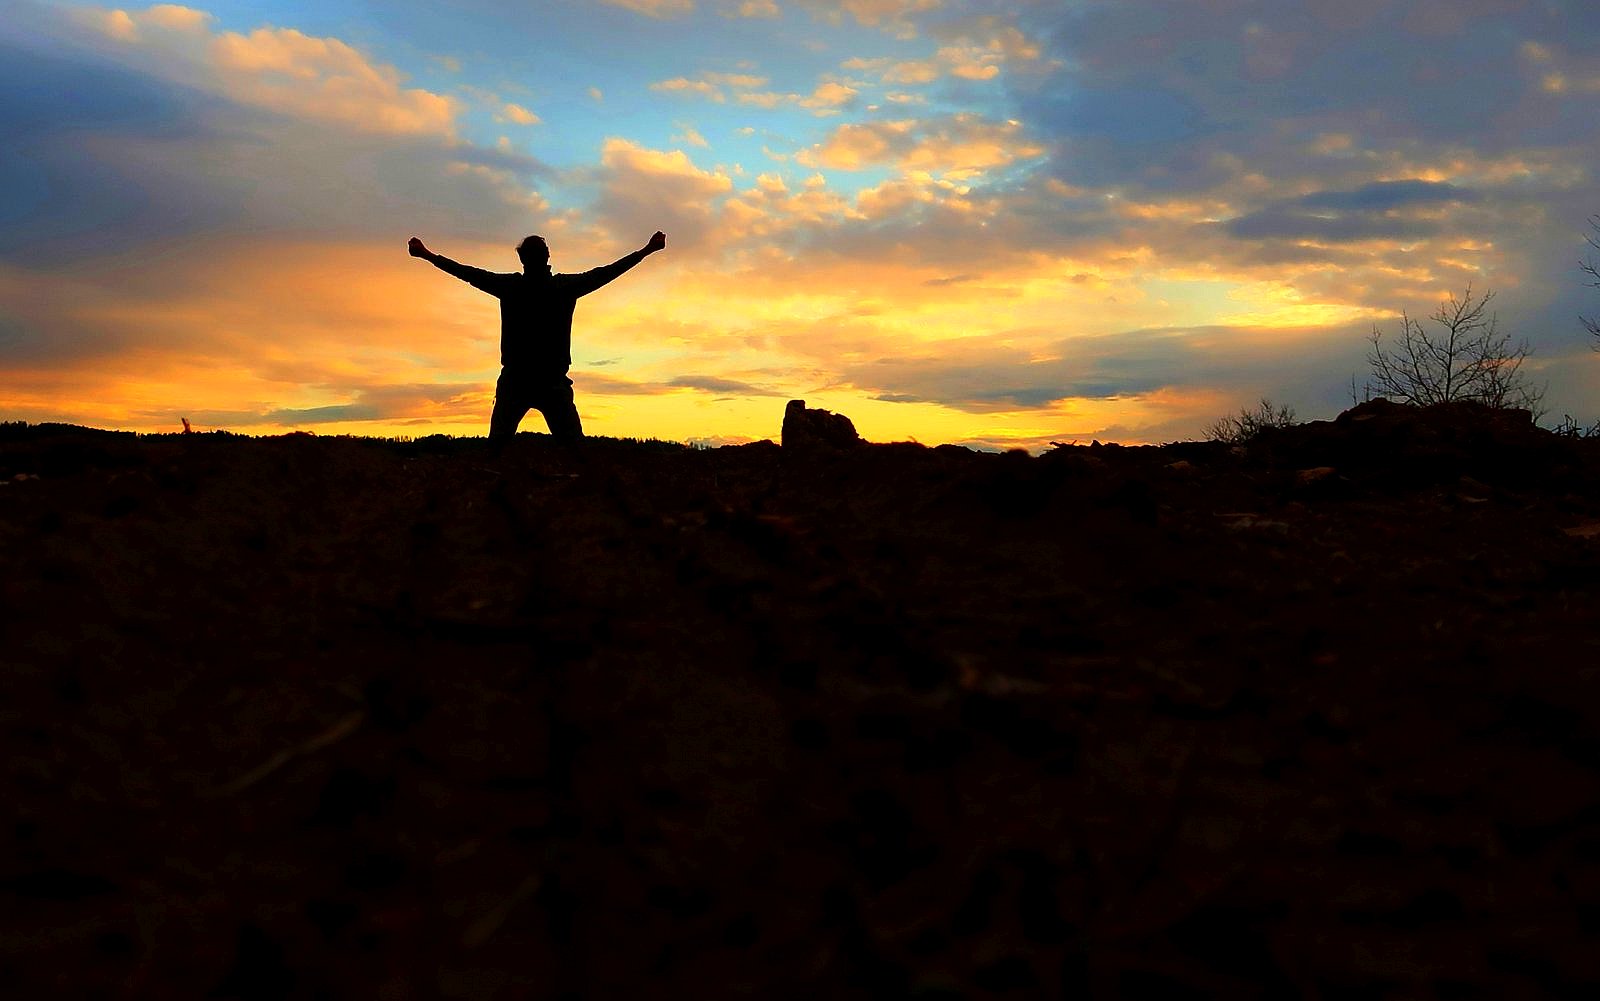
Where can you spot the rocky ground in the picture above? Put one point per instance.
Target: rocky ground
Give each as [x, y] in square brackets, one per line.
[314, 717]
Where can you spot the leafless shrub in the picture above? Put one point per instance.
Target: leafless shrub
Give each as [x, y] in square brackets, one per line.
[1249, 422]
[1466, 358]
[1568, 427]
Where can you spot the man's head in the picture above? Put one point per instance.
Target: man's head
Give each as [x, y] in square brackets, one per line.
[533, 252]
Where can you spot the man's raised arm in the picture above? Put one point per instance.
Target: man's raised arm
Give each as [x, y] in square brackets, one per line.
[590, 280]
[478, 278]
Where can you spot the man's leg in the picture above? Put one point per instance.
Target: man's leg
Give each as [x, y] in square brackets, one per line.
[561, 413]
[510, 404]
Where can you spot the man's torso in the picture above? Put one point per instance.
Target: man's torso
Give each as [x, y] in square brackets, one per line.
[536, 324]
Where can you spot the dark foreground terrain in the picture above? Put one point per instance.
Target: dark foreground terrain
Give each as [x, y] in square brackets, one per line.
[341, 718]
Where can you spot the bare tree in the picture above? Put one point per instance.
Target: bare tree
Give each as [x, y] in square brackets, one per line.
[1591, 267]
[1249, 422]
[1467, 358]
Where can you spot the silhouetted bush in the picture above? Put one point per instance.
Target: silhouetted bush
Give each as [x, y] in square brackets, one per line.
[1250, 421]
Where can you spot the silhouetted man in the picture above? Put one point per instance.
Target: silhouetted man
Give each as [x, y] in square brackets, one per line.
[535, 331]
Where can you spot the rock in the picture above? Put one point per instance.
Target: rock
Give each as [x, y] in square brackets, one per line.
[1379, 407]
[1306, 477]
[803, 428]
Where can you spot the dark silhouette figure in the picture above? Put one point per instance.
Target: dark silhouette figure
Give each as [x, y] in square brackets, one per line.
[535, 331]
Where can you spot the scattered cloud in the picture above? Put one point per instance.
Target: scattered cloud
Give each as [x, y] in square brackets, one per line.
[517, 114]
[898, 17]
[684, 85]
[758, 9]
[689, 136]
[998, 48]
[960, 146]
[655, 8]
[713, 86]
[829, 95]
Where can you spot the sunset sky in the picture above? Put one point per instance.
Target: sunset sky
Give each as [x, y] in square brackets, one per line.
[997, 224]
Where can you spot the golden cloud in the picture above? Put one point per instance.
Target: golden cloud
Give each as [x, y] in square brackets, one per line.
[281, 69]
[655, 8]
[517, 114]
[977, 53]
[826, 98]
[956, 147]
[758, 8]
[684, 85]
[829, 95]
[893, 16]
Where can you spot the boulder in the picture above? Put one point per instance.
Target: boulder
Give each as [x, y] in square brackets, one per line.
[811, 429]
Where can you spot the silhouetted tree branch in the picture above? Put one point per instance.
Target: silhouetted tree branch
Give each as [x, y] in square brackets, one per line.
[1467, 358]
[1591, 267]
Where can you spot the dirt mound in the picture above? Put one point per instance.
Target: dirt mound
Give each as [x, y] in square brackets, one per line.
[331, 717]
[1408, 447]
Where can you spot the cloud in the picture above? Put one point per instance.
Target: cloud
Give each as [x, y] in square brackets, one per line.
[957, 146]
[976, 375]
[684, 85]
[711, 85]
[261, 334]
[770, 210]
[1379, 210]
[1386, 195]
[671, 9]
[376, 403]
[279, 69]
[720, 387]
[758, 9]
[608, 385]
[992, 33]
[829, 97]
[1145, 92]
[976, 49]
[643, 189]
[690, 136]
[898, 17]
[655, 8]
[517, 114]
[111, 154]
